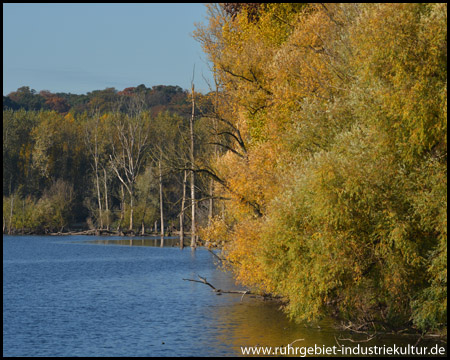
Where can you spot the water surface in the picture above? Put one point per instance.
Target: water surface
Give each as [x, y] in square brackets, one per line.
[78, 296]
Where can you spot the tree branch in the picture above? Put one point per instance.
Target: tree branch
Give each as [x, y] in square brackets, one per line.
[220, 291]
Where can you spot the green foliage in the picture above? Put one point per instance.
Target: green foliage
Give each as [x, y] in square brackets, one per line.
[26, 99]
[55, 205]
[50, 213]
[155, 99]
[407, 77]
[18, 144]
[430, 204]
[147, 205]
[342, 111]
[44, 149]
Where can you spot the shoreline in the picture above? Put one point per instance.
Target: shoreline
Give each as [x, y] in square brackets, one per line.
[94, 232]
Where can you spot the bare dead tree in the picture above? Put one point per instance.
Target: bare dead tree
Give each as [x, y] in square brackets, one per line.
[182, 210]
[92, 143]
[105, 180]
[128, 153]
[161, 204]
[192, 160]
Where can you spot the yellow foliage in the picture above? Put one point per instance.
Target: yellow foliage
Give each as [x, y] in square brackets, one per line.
[337, 201]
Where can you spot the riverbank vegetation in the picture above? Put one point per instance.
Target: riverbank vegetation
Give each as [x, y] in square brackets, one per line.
[338, 179]
[320, 158]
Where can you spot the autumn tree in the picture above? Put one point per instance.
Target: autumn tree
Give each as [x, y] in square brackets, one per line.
[27, 98]
[335, 121]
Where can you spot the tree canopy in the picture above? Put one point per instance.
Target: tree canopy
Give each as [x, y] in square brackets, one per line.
[91, 160]
[336, 168]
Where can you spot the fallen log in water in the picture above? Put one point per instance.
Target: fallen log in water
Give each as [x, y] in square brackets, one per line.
[98, 232]
[85, 232]
[220, 291]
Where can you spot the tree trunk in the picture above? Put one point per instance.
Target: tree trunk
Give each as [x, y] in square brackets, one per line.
[23, 215]
[211, 201]
[106, 201]
[122, 207]
[100, 213]
[11, 214]
[211, 205]
[131, 208]
[161, 204]
[182, 210]
[216, 154]
[191, 153]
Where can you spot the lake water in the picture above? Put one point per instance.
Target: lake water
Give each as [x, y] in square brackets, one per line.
[82, 296]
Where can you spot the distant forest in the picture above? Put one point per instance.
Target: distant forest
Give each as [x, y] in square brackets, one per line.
[155, 99]
[102, 160]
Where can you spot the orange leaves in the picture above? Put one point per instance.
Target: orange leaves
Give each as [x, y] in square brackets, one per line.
[217, 233]
[311, 63]
[245, 251]
[57, 104]
[252, 179]
[342, 108]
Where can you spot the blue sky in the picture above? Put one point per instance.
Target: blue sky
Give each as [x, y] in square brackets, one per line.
[78, 48]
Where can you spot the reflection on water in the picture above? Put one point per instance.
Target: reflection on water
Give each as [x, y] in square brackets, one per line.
[155, 241]
[259, 323]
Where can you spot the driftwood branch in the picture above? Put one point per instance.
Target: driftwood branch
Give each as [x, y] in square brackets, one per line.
[369, 338]
[220, 291]
[358, 331]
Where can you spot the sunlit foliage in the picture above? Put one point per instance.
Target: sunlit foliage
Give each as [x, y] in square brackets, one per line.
[336, 178]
